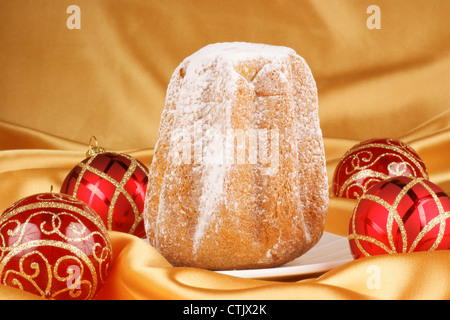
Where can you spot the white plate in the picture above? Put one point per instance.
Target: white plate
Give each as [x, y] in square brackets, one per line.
[330, 252]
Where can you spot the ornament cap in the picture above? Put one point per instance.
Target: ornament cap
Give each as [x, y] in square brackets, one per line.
[94, 150]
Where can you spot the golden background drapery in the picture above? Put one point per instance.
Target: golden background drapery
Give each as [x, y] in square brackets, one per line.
[58, 87]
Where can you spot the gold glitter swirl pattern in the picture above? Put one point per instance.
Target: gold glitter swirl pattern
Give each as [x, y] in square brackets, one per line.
[396, 218]
[55, 246]
[372, 161]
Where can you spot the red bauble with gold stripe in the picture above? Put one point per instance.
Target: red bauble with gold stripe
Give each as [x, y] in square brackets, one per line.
[375, 160]
[55, 246]
[400, 215]
[114, 185]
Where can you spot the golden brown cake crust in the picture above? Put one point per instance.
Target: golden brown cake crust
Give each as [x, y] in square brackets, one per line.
[238, 178]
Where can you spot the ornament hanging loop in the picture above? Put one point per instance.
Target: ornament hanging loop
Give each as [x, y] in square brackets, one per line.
[94, 150]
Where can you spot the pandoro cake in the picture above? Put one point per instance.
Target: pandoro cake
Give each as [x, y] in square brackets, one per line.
[238, 178]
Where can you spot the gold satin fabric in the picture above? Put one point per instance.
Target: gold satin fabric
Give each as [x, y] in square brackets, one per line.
[58, 87]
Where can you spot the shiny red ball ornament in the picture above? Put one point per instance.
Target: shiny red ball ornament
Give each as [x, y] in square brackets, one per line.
[55, 246]
[372, 161]
[398, 215]
[114, 185]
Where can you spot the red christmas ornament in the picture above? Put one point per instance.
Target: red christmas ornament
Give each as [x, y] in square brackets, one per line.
[372, 161]
[55, 246]
[398, 215]
[114, 185]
